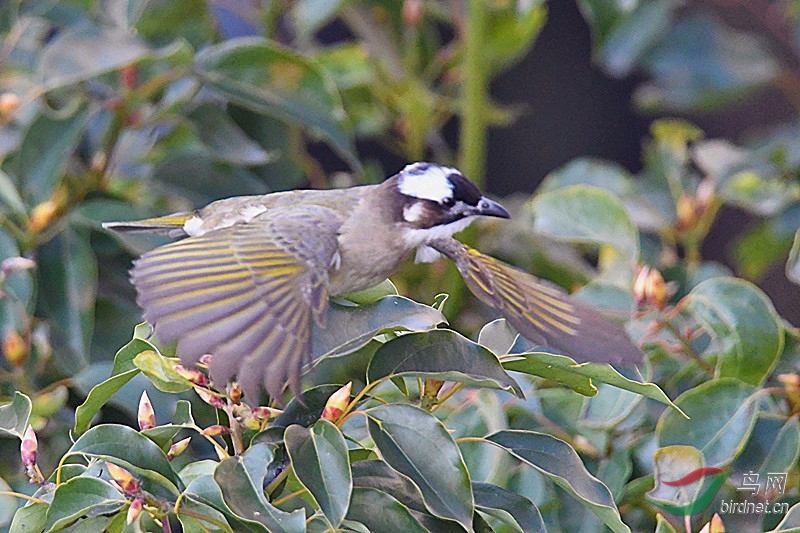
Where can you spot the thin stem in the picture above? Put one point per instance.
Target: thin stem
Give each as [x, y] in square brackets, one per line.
[455, 388]
[22, 496]
[472, 143]
[288, 497]
[688, 349]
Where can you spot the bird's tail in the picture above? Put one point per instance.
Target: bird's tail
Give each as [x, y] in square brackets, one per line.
[170, 225]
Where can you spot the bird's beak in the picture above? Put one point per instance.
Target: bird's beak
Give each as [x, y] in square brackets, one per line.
[490, 208]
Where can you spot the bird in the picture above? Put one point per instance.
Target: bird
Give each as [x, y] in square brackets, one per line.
[251, 275]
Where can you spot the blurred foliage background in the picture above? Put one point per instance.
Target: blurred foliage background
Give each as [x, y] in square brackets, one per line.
[122, 109]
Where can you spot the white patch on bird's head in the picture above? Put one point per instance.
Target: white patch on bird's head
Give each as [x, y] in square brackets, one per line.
[426, 181]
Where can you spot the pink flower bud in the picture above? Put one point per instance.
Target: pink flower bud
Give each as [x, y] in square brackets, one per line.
[178, 448]
[29, 447]
[337, 403]
[146, 415]
[124, 479]
[216, 430]
[193, 375]
[235, 393]
[210, 398]
[134, 510]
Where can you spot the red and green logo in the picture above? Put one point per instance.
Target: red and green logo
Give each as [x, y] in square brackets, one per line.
[717, 478]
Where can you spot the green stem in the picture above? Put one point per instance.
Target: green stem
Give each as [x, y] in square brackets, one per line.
[472, 144]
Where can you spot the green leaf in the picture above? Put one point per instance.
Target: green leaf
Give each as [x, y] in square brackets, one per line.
[560, 463]
[45, 151]
[203, 493]
[131, 450]
[444, 355]
[558, 368]
[68, 281]
[662, 526]
[609, 407]
[380, 512]
[719, 433]
[791, 522]
[584, 214]
[306, 410]
[241, 481]
[562, 367]
[161, 371]
[320, 462]
[8, 504]
[124, 370]
[417, 445]
[351, 327]
[272, 80]
[702, 64]
[224, 139]
[793, 264]
[745, 324]
[508, 507]
[80, 496]
[14, 415]
[785, 449]
[30, 519]
[162, 435]
[511, 30]
[9, 195]
[373, 294]
[72, 57]
[757, 193]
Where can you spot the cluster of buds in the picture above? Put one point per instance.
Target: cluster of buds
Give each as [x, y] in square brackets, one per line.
[254, 418]
[337, 403]
[650, 289]
[28, 451]
[714, 526]
[129, 486]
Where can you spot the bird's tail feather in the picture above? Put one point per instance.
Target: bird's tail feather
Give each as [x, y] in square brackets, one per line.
[170, 225]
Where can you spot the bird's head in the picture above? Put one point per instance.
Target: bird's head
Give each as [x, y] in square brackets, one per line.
[433, 202]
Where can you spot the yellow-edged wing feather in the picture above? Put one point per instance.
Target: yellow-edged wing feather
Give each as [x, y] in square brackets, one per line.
[540, 311]
[245, 294]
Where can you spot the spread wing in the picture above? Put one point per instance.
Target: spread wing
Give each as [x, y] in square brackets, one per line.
[539, 311]
[245, 294]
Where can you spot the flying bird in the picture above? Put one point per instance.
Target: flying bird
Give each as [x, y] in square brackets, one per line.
[252, 274]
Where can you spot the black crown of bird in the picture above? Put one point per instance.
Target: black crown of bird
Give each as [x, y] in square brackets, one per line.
[252, 274]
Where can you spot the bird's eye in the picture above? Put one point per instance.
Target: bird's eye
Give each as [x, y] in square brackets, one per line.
[448, 202]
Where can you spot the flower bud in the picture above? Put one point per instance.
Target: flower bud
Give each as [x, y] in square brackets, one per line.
[146, 415]
[9, 103]
[42, 215]
[688, 211]
[14, 264]
[15, 348]
[210, 398]
[235, 393]
[134, 510]
[215, 431]
[715, 526]
[649, 288]
[337, 403]
[29, 447]
[193, 375]
[178, 448]
[412, 13]
[124, 479]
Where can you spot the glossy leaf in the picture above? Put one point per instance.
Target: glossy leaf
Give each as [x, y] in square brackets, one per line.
[377, 474]
[791, 522]
[203, 492]
[609, 407]
[269, 79]
[306, 410]
[240, 479]
[558, 367]
[161, 371]
[672, 463]
[8, 504]
[560, 463]
[30, 518]
[224, 139]
[9, 196]
[14, 415]
[380, 512]
[745, 324]
[785, 449]
[123, 371]
[320, 462]
[719, 433]
[68, 278]
[351, 327]
[417, 445]
[444, 355]
[136, 453]
[79, 497]
[44, 153]
[72, 56]
[508, 507]
[588, 215]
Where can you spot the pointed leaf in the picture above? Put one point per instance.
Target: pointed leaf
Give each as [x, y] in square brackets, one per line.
[444, 355]
[14, 416]
[241, 481]
[269, 79]
[80, 496]
[320, 462]
[719, 433]
[560, 463]
[31, 518]
[380, 512]
[417, 445]
[203, 490]
[745, 324]
[508, 507]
